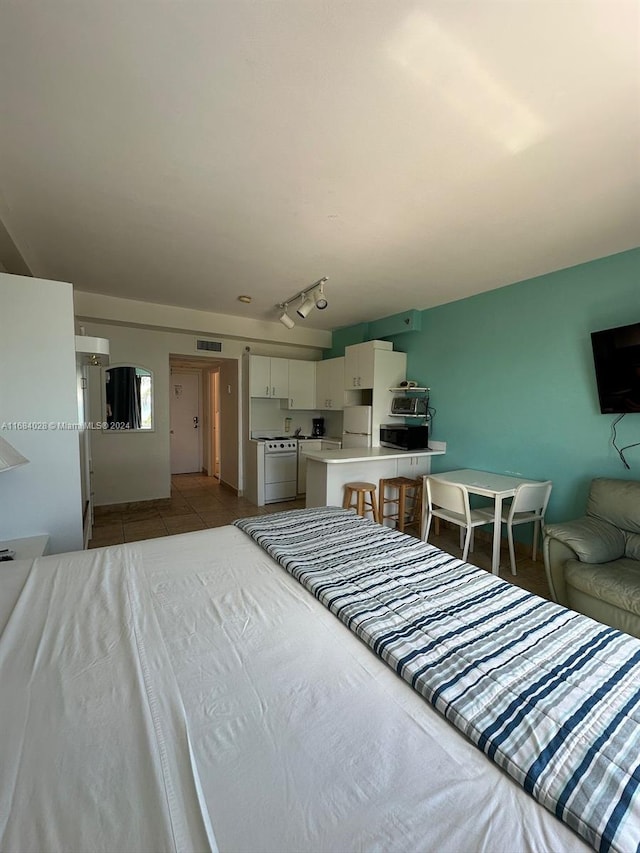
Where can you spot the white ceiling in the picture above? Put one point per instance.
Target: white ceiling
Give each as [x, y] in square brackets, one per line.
[187, 152]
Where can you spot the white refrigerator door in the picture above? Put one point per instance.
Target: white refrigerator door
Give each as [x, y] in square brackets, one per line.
[357, 419]
[355, 439]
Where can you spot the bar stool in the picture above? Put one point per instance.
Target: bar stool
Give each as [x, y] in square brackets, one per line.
[361, 505]
[406, 499]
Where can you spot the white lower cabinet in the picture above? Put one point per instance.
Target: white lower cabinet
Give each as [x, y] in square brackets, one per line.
[411, 466]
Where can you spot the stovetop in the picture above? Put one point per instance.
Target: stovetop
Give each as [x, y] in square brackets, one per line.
[280, 445]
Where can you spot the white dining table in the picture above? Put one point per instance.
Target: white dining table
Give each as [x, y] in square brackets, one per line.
[489, 485]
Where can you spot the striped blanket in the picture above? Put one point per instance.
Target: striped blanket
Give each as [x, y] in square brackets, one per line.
[550, 696]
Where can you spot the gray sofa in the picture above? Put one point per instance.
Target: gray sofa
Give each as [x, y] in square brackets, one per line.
[593, 563]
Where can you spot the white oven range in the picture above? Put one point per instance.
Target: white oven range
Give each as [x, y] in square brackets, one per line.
[280, 469]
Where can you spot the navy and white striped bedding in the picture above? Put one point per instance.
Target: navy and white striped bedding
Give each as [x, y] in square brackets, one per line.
[550, 696]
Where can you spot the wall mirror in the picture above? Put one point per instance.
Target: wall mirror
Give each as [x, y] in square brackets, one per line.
[128, 398]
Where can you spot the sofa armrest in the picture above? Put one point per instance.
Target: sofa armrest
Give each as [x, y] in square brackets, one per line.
[556, 554]
[592, 539]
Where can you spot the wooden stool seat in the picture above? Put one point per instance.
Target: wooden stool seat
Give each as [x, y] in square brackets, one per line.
[362, 505]
[406, 499]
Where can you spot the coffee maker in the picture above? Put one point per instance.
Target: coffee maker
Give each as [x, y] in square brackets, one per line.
[318, 427]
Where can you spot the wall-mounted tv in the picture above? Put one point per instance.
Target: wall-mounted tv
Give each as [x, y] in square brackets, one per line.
[616, 355]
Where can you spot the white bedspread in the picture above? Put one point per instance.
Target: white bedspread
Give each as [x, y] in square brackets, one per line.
[151, 691]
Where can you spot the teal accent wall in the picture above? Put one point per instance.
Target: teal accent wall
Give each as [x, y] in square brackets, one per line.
[407, 322]
[513, 383]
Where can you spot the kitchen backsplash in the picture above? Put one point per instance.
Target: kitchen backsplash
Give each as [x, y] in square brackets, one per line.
[267, 418]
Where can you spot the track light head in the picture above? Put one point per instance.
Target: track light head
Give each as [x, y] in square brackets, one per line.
[320, 298]
[306, 304]
[285, 319]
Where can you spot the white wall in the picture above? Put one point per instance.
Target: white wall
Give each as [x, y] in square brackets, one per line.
[135, 466]
[112, 309]
[38, 385]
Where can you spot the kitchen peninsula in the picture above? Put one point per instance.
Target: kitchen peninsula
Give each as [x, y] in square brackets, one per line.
[329, 470]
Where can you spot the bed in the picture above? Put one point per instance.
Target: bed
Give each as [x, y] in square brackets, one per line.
[228, 690]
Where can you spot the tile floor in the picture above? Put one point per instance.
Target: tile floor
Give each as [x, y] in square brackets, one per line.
[198, 502]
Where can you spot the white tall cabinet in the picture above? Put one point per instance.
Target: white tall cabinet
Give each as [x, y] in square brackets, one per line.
[37, 402]
[371, 369]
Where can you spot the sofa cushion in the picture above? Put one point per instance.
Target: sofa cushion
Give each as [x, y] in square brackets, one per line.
[593, 540]
[616, 501]
[617, 583]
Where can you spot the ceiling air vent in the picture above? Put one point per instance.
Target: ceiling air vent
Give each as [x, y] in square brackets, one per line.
[209, 346]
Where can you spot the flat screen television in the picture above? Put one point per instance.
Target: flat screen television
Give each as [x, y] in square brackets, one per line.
[616, 355]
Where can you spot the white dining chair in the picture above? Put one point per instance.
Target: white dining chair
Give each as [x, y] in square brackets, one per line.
[528, 506]
[450, 502]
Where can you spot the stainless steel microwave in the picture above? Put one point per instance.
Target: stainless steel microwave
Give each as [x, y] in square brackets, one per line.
[409, 406]
[404, 436]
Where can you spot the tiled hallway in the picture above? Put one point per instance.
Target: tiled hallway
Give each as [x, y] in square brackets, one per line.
[196, 502]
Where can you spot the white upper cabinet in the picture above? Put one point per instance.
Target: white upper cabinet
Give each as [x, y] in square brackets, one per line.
[280, 377]
[330, 384]
[302, 385]
[259, 376]
[268, 377]
[360, 363]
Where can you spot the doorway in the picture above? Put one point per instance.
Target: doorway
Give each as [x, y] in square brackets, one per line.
[218, 416]
[185, 414]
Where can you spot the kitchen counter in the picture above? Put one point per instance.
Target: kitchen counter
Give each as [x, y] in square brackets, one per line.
[364, 454]
[329, 470]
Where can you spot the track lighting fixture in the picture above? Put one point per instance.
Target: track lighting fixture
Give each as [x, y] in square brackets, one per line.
[320, 298]
[311, 297]
[285, 319]
[306, 304]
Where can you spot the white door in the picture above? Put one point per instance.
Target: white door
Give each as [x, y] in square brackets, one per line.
[185, 423]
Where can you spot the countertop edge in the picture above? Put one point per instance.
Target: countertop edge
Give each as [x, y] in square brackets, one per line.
[342, 457]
